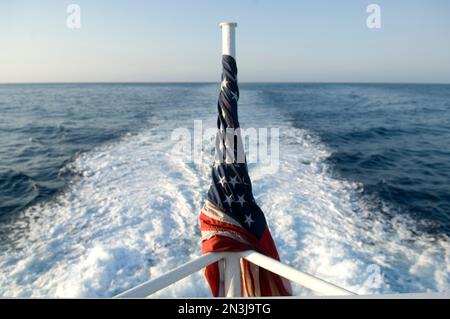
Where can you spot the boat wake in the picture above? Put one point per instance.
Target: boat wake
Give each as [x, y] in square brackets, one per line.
[131, 214]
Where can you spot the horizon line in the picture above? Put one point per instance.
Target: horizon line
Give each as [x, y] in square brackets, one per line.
[215, 82]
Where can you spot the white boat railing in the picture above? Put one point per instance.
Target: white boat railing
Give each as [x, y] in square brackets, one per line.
[232, 275]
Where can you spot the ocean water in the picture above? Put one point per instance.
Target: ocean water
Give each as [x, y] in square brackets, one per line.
[93, 200]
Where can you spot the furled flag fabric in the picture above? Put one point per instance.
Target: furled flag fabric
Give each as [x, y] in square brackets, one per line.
[230, 220]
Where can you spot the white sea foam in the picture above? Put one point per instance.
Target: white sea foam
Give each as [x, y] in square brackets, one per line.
[133, 215]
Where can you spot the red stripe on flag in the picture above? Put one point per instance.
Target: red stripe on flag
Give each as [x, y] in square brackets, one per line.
[229, 240]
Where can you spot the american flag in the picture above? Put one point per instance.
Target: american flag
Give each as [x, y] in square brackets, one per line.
[231, 220]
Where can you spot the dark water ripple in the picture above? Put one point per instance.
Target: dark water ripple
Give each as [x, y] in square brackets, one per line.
[393, 138]
[43, 126]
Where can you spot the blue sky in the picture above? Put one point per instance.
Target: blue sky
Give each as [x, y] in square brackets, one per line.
[174, 40]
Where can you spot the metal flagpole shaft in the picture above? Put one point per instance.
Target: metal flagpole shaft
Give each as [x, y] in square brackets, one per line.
[228, 38]
[232, 275]
[232, 271]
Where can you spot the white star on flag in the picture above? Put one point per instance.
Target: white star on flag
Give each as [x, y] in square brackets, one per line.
[248, 220]
[224, 84]
[229, 200]
[241, 200]
[235, 96]
[233, 181]
[222, 181]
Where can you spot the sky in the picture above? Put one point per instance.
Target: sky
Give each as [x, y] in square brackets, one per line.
[179, 41]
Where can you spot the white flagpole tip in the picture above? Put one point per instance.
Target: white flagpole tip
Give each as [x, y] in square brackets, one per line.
[228, 38]
[234, 24]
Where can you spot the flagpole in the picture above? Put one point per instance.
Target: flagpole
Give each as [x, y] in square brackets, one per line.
[228, 38]
[232, 271]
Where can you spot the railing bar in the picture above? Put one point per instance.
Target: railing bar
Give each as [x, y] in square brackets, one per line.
[149, 287]
[306, 280]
